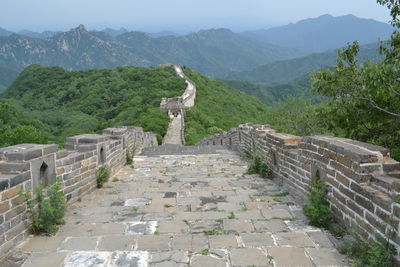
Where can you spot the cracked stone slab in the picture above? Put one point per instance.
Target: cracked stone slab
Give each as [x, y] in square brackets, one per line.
[239, 226]
[271, 226]
[141, 228]
[275, 213]
[223, 241]
[87, 258]
[326, 257]
[116, 242]
[109, 259]
[201, 226]
[257, 240]
[203, 261]
[79, 243]
[300, 226]
[248, 257]
[137, 202]
[154, 242]
[294, 239]
[129, 259]
[297, 257]
[172, 227]
[175, 256]
[44, 259]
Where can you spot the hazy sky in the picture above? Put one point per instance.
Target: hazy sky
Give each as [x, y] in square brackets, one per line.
[175, 15]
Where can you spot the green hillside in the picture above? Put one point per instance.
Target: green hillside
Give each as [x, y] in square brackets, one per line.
[219, 108]
[69, 103]
[275, 92]
[58, 103]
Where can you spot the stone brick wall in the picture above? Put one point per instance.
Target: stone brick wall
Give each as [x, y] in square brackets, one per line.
[25, 167]
[363, 182]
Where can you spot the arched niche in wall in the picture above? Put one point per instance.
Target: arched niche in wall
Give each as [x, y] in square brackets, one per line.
[222, 142]
[230, 141]
[43, 171]
[274, 158]
[101, 156]
[318, 172]
[44, 175]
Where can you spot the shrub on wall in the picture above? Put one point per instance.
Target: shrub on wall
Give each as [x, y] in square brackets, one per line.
[102, 175]
[46, 210]
[367, 253]
[130, 153]
[317, 210]
[260, 167]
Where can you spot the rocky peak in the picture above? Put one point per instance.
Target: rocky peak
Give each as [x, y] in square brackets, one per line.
[81, 28]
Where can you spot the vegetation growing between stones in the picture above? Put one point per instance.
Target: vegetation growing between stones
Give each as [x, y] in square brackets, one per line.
[46, 209]
[317, 209]
[102, 176]
[260, 167]
[367, 253]
[130, 153]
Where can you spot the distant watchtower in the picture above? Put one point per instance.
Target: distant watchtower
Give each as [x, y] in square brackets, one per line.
[173, 106]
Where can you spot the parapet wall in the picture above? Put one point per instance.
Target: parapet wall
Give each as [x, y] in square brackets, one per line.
[362, 180]
[25, 167]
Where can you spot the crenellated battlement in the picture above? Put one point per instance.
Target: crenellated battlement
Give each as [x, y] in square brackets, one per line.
[25, 167]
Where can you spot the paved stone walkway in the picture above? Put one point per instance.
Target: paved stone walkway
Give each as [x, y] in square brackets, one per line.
[174, 133]
[185, 210]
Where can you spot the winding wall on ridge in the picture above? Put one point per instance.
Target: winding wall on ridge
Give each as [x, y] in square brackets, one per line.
[175, 108]
[362, 180]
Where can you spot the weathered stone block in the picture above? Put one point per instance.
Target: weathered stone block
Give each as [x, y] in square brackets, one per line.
[10, 193]
[19, 178]
[24, 154]
[13, 167]
[14, 212]
[366, 203]
[4, 206]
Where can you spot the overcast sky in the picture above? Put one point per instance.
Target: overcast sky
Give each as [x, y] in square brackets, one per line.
[175, 15]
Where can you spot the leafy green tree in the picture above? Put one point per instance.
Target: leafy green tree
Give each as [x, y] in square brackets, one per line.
[298, 116]
[365, 99]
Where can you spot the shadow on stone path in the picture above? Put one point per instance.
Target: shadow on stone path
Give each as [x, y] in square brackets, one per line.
[185, 210]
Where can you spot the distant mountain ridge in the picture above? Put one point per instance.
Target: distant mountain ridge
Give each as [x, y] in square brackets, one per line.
[213, 52]
[324, 33]
[285, 71]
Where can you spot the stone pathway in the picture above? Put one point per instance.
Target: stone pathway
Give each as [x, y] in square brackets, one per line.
[185, 210]
[174, 133]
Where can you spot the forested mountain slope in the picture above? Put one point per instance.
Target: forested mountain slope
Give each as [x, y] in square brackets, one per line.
[61, 103]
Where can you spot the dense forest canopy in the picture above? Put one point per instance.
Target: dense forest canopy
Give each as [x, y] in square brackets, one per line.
[69, 103]
[55, 103]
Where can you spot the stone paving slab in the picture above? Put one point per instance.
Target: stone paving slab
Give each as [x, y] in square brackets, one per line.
[185, 210]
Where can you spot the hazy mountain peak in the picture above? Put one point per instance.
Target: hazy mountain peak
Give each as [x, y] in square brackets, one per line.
[324, 32]
[4, 32]
[81, 28]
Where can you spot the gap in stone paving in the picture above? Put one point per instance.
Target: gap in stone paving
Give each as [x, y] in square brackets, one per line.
[184, 210]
